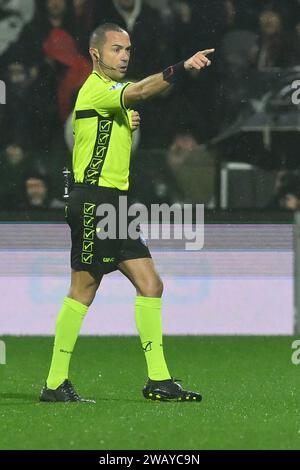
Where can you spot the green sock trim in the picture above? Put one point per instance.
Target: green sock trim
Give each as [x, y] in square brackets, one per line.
[152, 302]
[78, 307]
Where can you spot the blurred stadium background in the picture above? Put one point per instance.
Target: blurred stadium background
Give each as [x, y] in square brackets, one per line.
[228, 138]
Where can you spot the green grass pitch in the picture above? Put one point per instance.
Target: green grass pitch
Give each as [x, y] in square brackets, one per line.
[250, 387]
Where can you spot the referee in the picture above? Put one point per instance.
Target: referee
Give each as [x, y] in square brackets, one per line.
[103, 123]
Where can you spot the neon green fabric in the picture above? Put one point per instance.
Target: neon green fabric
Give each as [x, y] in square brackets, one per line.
[149, 325]
[103, 134]
[68, 326]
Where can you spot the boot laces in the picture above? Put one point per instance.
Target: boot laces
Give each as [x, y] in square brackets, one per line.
[70, 390]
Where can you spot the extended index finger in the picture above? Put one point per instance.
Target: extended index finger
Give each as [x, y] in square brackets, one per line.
[207, 51]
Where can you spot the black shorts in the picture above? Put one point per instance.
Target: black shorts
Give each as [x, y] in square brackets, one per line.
[89, 252]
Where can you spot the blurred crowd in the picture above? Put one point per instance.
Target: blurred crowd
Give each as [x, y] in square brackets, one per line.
[44, 60]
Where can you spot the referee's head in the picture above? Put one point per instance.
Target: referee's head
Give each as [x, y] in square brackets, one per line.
[110, 50]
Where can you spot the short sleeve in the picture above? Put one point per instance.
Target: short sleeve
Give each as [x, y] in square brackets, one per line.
[110, 98]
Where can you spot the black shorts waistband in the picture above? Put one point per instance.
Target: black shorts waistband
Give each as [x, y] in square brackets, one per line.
[103, 189]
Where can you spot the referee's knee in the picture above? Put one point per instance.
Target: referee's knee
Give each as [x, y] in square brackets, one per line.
[153, 288]
[84, 296]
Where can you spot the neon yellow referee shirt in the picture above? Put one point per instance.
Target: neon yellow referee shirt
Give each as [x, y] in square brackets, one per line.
[103, 134]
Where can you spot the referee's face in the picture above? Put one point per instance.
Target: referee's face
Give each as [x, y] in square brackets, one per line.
[115, 54]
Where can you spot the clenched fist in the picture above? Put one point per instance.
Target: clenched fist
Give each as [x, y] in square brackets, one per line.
[135, 120]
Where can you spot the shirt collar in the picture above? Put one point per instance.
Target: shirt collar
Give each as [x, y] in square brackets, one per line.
[107, 80]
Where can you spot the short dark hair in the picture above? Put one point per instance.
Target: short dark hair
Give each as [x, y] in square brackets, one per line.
[98, 35]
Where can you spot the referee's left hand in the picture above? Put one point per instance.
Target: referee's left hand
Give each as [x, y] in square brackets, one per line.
[135, 120]
[199, 60]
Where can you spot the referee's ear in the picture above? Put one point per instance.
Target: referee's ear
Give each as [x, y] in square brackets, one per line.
[94, 54]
